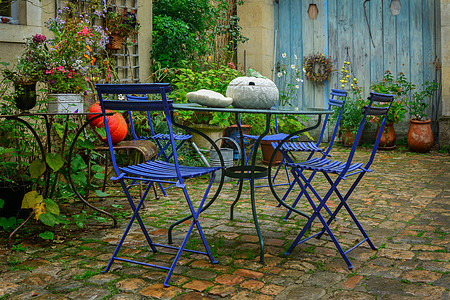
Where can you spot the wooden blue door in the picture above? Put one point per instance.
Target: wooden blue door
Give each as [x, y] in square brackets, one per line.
[403, 43]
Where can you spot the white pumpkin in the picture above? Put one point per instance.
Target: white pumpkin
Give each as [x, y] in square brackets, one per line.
[253, 92]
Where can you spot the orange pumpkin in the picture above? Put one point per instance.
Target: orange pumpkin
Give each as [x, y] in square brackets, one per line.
[95, 108]
[117, 124]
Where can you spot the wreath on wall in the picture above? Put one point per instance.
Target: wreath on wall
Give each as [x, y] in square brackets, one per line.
[317, 67]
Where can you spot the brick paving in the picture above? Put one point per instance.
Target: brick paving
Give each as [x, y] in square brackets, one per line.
[403, 205]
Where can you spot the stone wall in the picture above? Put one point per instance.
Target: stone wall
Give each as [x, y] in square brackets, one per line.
[256, 19]
[34, 13]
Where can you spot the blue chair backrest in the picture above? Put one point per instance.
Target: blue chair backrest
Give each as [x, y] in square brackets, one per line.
[337, 99]
[371, 110]
[150, 123]
[163, 105]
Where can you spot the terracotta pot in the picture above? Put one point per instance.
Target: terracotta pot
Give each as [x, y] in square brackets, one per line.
[348, 138]
[267, 151]
[115, 42]
[420, 136]
[387, 140]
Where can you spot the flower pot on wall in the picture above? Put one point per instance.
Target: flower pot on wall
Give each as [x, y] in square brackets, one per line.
[212, 131]
[115, 42]
[25, 95]
[387, 140]
[65, 103]
[420, 136]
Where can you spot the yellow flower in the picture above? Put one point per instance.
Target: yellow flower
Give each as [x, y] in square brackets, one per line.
[348, 76]
[343, 86]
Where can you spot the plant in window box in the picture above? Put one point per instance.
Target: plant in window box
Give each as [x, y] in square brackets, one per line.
[420, 135]
[120, 25]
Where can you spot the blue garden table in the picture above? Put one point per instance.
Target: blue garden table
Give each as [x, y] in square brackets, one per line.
[250, 171]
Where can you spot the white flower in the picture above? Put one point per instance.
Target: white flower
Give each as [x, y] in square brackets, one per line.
[301, 80]
[283, 55]
[304, 70]
[293, 67]
[279, 74]
[121, 97]
[297, 86]
[298, 79]
[295, 56]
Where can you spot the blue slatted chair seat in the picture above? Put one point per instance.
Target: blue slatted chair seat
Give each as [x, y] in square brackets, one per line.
[161, 170]
[299, 146]
[271, 137]
[330, 166]
[163, 136]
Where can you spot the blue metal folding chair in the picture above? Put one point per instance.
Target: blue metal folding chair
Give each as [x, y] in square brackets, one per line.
[276, 137]
[343, 170]
[337, 100]
[154, 171]
[162, 140]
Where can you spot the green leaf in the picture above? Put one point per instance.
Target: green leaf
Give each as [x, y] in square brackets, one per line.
[77, 163]
[37, 168]
[55, 161]
[47, 235]
[2, 203]
[48, 219]
[51, 206]
[99, 176]
[86, 144]
[31, 199]
[79, 178]
[97, 168]
[101, 194]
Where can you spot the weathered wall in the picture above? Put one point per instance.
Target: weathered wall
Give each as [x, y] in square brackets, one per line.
[34, 13]
[444, 122]
[256, 19]
[145, 38]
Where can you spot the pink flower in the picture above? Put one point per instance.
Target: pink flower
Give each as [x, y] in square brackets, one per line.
[39, 38]
[231, 65]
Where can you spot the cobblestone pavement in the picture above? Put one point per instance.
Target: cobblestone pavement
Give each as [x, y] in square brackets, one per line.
[403, 205]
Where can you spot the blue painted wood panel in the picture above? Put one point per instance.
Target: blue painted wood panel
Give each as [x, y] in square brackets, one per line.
[403, 43]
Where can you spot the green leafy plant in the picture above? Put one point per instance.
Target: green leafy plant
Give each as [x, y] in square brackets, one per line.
[400, 88]
[418, 104]
[121, 22]
[216, 79]
[289, 75]
[187, 32]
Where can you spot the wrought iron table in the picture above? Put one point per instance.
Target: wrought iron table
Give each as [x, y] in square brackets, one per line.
[251, 171]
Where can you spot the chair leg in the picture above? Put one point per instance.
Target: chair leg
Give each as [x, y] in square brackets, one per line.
[194, 214]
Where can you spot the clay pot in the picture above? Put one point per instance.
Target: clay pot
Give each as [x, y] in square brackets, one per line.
[420, 136]
[347, 138]
[267, 151]
[387, 140]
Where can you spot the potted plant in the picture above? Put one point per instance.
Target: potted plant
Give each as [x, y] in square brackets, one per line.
[27, 72]
[215, 78]
[400, 88]
[420, 135]
[74, 58]
[120, 25]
